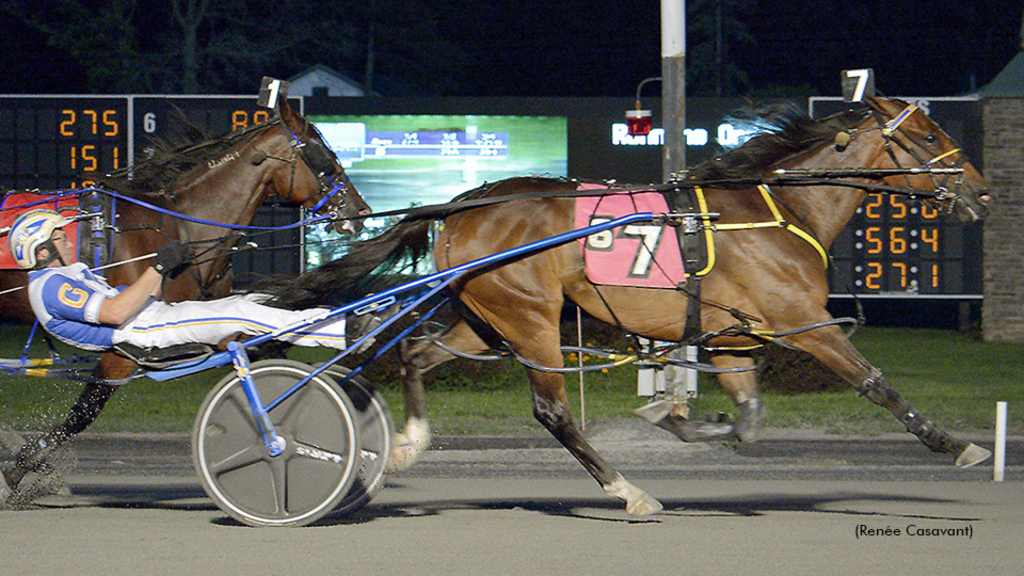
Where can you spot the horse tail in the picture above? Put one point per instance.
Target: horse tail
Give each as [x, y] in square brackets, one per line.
[368, 266]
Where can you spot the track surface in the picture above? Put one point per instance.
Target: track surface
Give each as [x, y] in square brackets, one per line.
[795, 503]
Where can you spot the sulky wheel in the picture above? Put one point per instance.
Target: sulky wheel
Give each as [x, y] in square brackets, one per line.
[376, 429]
[321, 447]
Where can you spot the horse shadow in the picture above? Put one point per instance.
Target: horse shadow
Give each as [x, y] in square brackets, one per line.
[606, 510]
[191, 498]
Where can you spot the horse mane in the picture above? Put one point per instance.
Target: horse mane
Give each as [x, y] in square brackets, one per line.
[171, 157]
[787, 129]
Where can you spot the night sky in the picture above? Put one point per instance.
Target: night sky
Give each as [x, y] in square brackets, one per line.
[606, 47]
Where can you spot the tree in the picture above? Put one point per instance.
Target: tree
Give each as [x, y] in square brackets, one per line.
[713, 27]
[206, 46]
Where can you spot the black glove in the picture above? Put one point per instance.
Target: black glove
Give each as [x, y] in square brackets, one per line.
[172, 259]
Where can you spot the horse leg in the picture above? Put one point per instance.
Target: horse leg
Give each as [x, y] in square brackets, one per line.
[417, 359]
[831, 347]
[531, 326]
[551, 408]
[33, 457]
[742, 388]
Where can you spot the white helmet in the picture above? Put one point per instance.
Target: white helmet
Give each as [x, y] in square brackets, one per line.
[30, 231]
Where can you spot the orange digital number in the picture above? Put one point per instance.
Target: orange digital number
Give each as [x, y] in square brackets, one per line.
[903, 273]
[113, 128]
[106, 118]
[930, 236]
[871, 235]
[95, 119]
[928, 211]
[67, 127]
[871, 280]
[87, 155]
[874, 202]
[897, 243]
[240, 119]
[935, 275]
[899, 207]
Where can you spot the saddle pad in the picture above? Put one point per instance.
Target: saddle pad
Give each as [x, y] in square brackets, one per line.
[644, 255]
[17, 203]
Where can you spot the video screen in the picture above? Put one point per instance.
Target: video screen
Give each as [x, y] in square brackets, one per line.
[400, 161]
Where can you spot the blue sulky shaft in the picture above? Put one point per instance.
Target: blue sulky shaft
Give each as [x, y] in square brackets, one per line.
[444, 277]
[432, 284]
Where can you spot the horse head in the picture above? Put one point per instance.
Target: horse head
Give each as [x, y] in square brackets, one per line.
[913, 140]
[318, 182]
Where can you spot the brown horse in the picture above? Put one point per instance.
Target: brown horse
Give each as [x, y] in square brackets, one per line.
[767, 282]
[222, 180]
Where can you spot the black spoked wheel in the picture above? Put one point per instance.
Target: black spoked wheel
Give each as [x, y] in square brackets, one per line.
[376, 429]
[321, 454]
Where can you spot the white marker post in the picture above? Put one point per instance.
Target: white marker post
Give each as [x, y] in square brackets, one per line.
[1000, 459]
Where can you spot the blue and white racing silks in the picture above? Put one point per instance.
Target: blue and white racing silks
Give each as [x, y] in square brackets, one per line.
[67, 302]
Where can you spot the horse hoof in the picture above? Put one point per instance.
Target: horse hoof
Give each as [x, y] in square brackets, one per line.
[409, 445]
[696, 431]
[402, 456]
[644, 506]
[972, 455]
[638, 502]
[751, 418]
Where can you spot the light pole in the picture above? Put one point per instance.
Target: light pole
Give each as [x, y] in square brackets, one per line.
[673, 86]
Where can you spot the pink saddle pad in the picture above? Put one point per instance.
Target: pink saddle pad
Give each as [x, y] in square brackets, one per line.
[644, 254]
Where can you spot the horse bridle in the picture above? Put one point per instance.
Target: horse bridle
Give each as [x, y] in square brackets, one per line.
[324, 166]
[943, 195]
[322, 163]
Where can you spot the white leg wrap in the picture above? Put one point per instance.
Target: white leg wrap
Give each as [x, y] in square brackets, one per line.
[409, 445]
[638, 502]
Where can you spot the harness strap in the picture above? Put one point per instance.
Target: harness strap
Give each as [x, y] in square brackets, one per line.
[778, 222]
[893, 124]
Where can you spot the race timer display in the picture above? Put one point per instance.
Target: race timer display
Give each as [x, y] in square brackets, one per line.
[898, 247]
[54, 143]
[57, 142]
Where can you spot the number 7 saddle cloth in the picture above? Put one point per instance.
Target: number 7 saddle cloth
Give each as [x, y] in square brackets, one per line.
[644, 254]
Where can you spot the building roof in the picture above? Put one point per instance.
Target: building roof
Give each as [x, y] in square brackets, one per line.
[320, 78]
[1009, 83]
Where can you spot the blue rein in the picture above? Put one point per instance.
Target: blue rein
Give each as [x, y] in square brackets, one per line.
[79, 191]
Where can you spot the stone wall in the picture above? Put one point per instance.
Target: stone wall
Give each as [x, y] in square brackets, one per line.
[1003, 312]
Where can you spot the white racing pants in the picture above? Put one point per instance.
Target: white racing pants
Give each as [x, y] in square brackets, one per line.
[160, 325]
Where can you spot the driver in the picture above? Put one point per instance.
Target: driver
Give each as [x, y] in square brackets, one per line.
[81, 309]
